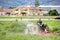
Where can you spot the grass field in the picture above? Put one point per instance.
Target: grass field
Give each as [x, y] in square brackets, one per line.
[50, 23]
[30, 17]
[31, 37]
[14, 30]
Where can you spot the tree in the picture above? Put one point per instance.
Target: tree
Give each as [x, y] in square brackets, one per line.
[36, 3]
[11, 7]
[23, 13]
[8, 13]
[53, 12]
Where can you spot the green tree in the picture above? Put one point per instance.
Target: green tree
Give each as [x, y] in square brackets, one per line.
[11, 7]
[53, 12]
[23, 13]
[8, 13]
[36, 3]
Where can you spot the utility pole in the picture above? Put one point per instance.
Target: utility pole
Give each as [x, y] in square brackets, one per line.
[36, 3]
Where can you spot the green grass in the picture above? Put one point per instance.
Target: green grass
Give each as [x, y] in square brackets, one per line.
[19, 26]
[31, 37]
[29, 17]
[14, 30]
[12, 26]
[49, 22]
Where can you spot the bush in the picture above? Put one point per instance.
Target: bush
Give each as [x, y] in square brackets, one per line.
[23, 13]
[53, 12]
[8, 13]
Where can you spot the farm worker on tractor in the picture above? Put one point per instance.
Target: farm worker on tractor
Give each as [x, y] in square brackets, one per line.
[39, 23]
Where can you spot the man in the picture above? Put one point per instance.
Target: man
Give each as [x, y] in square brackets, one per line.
[39, 23]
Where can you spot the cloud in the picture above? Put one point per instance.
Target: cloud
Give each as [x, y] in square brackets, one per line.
[8, 3]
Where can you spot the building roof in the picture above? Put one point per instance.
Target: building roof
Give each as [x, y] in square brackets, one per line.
[7, 10]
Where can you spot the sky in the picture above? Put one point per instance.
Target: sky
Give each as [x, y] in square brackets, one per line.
[14, 3]
[46, 9]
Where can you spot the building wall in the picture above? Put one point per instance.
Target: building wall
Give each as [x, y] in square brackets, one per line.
[30, 10]
[2, 13]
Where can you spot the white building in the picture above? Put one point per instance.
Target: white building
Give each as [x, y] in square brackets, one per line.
[2, 13]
